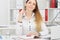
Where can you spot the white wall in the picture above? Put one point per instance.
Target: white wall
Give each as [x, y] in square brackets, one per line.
[58, 3]
[12, 4]
[4, 5]
[43, 4]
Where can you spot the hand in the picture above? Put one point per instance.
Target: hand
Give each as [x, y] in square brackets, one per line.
[21, 12]
[32, 33]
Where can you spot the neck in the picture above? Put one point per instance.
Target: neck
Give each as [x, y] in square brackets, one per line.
[28, 14]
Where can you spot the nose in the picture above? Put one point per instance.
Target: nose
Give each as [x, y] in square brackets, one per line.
[31, 4]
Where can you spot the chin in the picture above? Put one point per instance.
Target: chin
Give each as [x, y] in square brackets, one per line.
[31, 9]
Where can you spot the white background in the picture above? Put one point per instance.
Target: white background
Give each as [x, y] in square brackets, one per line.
[5, 10]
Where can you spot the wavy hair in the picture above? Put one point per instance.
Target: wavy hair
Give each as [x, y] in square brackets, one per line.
[38, 17]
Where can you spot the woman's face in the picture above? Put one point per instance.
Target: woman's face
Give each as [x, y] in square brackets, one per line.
[30, 5]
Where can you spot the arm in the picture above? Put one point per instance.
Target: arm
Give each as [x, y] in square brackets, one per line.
[20, 16]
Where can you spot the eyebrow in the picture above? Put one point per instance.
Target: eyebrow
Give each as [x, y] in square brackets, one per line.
[33, 2]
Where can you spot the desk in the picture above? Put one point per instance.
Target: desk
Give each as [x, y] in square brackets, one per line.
[33, 39]
[25, 38]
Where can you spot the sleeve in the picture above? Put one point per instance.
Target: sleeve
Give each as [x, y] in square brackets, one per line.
[44, 30]
[19, 20]
[19, 28]
[19, 24]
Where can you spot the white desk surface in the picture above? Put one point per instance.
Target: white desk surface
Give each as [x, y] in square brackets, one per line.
[26, 38]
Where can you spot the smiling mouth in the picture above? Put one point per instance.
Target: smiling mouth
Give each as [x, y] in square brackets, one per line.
[30, 7]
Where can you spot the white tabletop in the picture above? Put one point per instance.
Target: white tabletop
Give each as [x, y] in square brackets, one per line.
[25, 38]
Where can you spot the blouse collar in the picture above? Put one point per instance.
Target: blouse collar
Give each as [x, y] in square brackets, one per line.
[32, 15]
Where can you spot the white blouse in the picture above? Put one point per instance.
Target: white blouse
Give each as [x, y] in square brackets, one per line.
[29, 25]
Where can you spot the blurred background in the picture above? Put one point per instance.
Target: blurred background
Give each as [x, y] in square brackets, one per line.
[50, 11]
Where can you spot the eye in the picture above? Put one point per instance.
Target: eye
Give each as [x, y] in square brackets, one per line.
[34, 4]
[29, 2]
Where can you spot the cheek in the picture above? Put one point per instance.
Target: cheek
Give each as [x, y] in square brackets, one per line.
[33, 7]
[27, 6]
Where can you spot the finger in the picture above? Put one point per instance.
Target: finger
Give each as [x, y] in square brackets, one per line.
[28, 35]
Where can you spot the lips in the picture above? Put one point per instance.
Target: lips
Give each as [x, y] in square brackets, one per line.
[30, 7]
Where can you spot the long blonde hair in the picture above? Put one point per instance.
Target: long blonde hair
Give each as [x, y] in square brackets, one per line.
[38, 17]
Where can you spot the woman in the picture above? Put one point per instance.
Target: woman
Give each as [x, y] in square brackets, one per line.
[31, 20]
